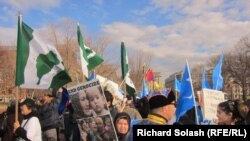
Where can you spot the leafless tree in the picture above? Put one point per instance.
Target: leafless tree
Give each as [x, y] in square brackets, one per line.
[69, 50]
[7, 68]
[237, 65]
[196, 73]
[108, 68]
[138, 61]
[63, 36]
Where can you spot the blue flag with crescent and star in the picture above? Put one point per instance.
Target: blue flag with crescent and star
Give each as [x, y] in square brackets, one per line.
[186, 98]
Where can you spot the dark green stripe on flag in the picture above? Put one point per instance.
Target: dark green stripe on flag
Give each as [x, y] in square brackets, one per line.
[24, 35]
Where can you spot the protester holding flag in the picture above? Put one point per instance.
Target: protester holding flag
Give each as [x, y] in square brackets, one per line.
[30, 129]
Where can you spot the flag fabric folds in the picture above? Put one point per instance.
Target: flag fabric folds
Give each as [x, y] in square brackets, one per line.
[64, 101]
[130, 87]
[149, 75]
[177, 85]
[38, 65]
[205, 84]
[186, 99]
[94, 59]
[217, 77]
[144, 91]
[83, 54]
[89, 58]
[199, 115]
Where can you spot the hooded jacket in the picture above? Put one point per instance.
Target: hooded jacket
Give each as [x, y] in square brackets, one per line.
[122, 115]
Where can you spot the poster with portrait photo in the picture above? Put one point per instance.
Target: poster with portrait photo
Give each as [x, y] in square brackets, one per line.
[99, 128]
[91, 111]
[88, 99]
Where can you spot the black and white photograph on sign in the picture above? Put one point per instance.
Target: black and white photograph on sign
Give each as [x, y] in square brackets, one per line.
[81, 105]
[99, 128]
[91, 112]
[97, 100]
[88, 99]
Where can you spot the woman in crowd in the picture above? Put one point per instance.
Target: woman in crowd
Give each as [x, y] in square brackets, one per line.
[30, 129]
[228, 113]
[122, 126]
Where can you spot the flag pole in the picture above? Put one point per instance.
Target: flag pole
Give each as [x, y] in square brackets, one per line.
[175, 88]
[33, 94]
[217, 77]
[143, 80]
[18, 88]
[125, 90]
[143, 70]
[124, 79]
[17, 100]
[122, 82]
[125, 95]
[195, 107]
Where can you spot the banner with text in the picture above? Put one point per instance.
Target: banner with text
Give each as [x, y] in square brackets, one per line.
[211, 99]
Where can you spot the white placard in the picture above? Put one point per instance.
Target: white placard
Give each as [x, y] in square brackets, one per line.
[210, 100]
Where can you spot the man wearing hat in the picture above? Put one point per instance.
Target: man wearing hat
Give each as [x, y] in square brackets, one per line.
[30, 129]
[162, 109]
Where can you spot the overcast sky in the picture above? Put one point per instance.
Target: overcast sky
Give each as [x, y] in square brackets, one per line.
[173, 30]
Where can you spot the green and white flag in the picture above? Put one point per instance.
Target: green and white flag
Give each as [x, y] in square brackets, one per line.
[38, 65]
[83, 54]
[130, 87]
[89, 59]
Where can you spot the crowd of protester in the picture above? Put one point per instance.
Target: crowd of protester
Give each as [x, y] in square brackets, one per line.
[39, 120]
